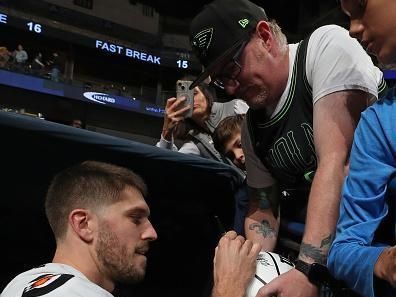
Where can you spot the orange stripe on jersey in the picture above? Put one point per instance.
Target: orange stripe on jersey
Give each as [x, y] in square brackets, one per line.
[41, 281]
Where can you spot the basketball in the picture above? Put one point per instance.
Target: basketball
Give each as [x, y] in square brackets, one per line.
[269, 266]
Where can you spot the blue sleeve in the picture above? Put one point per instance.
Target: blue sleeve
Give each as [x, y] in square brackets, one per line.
[363, 206]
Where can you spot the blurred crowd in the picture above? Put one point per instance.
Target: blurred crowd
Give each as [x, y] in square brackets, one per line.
[19, 60]
[51, 65]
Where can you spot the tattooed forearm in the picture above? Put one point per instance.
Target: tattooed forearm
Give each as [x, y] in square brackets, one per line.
[312, 252]
[267, 198]
[318, 254]
[264, 228]
[325, 244]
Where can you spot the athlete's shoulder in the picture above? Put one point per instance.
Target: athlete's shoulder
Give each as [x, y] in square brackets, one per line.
[52, 280]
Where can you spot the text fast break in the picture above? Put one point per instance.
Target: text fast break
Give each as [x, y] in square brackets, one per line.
[122, 50]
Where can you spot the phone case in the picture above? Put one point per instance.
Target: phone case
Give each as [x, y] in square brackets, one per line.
[183, 89]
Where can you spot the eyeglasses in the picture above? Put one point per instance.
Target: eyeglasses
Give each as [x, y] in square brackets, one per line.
[229, 75]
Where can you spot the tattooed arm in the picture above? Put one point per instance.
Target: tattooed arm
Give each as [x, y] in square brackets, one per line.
[333, 154]
[318, 254]
[262, 220]
[333, 116]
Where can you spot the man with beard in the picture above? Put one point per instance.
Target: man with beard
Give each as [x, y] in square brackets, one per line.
[99, 217]
[305, 101]
[363, 253]
[100, 221]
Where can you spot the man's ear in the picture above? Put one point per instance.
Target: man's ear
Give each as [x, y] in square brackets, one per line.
[82, 223]
[263, 32]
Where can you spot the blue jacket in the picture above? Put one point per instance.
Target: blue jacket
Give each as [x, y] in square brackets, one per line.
[364, 202]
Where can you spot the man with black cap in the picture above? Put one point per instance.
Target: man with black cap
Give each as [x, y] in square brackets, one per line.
[305, 101]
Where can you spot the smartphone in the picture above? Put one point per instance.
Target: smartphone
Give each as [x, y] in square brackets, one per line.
[183, 90]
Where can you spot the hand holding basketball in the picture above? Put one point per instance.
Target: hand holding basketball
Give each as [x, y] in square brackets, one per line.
[290, 284]
[234, 265]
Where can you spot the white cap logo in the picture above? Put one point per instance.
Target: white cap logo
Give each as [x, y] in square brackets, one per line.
[202, 40]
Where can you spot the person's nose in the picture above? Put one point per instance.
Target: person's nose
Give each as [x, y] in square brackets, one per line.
[149, 233]
[239, 155]
[356, 29]
[239, 159]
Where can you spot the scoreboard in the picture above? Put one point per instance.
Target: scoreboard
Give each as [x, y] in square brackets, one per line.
[166, 58]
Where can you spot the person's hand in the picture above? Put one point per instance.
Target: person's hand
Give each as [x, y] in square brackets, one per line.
[289, 284]
[234, 265]
[385, 267]
[173, 115]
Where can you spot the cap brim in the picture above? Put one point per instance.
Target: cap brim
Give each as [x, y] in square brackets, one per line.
[215, 67]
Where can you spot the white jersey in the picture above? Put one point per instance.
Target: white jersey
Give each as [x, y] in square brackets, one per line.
[53, 280]
[334, 62]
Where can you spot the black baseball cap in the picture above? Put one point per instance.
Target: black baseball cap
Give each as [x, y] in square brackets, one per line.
[217, 32]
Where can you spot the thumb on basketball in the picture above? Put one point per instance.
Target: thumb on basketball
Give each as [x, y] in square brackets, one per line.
[269, 290]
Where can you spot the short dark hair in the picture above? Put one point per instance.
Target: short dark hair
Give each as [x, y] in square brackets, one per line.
[225, 130]
[90, 184]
